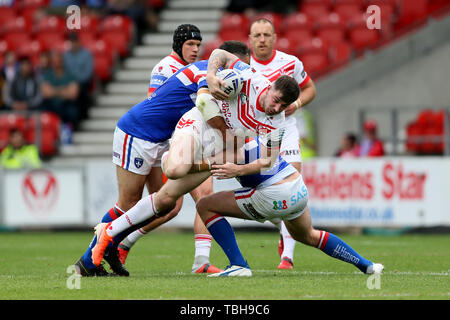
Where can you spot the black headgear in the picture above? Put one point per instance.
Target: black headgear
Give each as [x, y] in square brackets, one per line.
[182, 34]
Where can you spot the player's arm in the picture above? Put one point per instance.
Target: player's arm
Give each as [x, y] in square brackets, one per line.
[218, 59]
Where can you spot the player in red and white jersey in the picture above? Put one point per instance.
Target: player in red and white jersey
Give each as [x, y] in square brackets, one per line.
[185, 50]
[273, 63]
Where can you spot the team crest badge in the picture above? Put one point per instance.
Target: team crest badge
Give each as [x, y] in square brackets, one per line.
[138, 162]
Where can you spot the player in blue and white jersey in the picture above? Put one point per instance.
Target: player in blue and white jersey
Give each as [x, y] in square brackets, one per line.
[275, 194]
[141, 137]
[185, 50]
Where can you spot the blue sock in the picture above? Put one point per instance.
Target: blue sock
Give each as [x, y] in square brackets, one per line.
[224, 235]
[87, 256]
[333, 246]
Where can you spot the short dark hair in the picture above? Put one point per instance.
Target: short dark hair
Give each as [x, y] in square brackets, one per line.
[235, 47]
[288, 87]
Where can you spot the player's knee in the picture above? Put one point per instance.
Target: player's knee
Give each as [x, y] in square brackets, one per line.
[175, 171]
[202, 207]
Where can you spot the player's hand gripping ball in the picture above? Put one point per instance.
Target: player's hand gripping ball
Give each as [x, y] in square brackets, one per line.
[233, 82]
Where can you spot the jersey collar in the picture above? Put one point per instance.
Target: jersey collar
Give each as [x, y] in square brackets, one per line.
[265, 62]
[184, 63]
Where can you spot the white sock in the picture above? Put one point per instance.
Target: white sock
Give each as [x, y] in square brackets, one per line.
[289, 243]
[202, 246]
[134, 237]
[142, 210]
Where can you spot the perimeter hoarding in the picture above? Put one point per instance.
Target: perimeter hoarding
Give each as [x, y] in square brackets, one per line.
[385, 192]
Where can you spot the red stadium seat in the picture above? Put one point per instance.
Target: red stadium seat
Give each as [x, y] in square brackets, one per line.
[50, 24]
[331, 28]
[360, 36]
[117, 41]
[298, 36]
[13, 121]
[315, 10]
[234, 20]
[15, 40]
[30, 49]
[348, 10]
[115, 24]
[15, 25]
[208, 47]
[7, 14]
[35, 3]
[413, 132]
[49, 143]
[340, 53]
[314, 55]
[296, 21]
[52, 41]
[233, 34]
[411, 12]
[89, 24]
[310, 45]
[103, 68]
[286, 45]
[315, 63]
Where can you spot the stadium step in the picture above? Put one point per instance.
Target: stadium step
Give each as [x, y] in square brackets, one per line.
[99, 125]
[92, 137]
[127, 88]
[133, 75]
[105, 113]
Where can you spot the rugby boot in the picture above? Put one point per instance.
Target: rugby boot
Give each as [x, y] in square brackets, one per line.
[206, 268]
[123, 252]
[103, 240]
[112, 257]
[286, 264]
[84, 271]
[233, 271]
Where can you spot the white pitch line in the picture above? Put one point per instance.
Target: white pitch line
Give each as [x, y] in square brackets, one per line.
[400, 273]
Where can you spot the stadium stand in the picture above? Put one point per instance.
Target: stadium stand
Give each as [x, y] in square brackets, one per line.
[327, 35]
[28, 30]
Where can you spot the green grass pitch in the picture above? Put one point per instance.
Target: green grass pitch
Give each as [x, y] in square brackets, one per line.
[33, 265]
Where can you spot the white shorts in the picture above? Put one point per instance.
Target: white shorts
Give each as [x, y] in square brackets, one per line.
[290, 145]
[284, 201]
[137, 155]
[208, 141]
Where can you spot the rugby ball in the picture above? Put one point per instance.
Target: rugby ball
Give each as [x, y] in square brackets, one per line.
[233, 80]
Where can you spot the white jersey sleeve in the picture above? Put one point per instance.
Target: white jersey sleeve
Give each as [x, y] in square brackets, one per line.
[163, 71]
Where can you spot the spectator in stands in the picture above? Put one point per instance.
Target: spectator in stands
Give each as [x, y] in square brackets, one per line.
[60, 91]
[18, 154]
[43, 63]
[10, 66]
[79, 62]
[349, 146]
[23, 92]
[371, 145]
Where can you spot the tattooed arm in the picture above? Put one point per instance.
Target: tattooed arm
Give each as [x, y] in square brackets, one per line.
[218, 59]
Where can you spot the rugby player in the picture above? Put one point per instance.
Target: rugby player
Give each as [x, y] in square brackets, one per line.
[185, 50]
[141, 137]
[274, 63]
[278, 193]
[258, 111]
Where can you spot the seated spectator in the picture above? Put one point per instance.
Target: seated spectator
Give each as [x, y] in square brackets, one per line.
[24, 92]
[43, 64]
[349, 147]
[79, 62]
[18, 154]
[60, 91]
[10, 66]
[371, 145]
